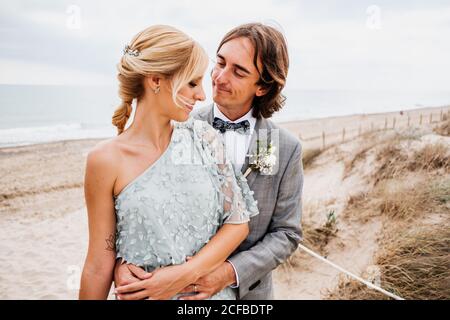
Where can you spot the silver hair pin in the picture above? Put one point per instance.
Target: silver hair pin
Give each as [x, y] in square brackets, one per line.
[127, 50]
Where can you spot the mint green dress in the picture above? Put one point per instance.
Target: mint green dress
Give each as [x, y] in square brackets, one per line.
[176, 205]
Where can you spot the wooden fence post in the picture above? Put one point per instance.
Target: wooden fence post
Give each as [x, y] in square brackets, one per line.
[385, 123]
[343, 134]
[420, 122]
[323, 139]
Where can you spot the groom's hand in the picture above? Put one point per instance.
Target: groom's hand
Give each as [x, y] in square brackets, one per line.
[125, 274]
[209, 285]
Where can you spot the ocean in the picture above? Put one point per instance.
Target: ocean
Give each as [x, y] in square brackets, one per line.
[37, 114]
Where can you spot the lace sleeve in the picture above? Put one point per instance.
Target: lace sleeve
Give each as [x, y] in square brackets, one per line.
[236, 198]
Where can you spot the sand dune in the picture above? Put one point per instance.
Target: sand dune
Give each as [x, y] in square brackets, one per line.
[358, 236]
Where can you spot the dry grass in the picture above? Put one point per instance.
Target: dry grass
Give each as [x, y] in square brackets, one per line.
[411, 192]
[400, 199]
[444, 129]
[393, 162]
[309, 155]
[431, 157]
[360, 154]
[409, 202]
[375, 139]
[415, 265]
[315, 238]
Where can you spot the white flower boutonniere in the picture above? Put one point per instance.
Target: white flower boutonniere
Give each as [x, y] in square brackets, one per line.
[263, 161]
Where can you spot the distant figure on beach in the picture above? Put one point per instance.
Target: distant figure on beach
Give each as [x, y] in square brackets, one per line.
[162, 195]
[247, 79]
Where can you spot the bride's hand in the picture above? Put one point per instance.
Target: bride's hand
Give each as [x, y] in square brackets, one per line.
[164, 284]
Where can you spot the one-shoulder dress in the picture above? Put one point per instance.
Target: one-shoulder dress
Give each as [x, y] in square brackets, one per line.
[176, 205]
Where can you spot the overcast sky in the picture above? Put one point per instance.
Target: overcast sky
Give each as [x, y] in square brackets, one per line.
[333, 44]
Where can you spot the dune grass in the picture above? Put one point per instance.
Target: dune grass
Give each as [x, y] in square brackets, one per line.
[396, 198]
[413, 265]
[410, 191]
[374, 140]
[393, 162]
[315, 238]
[413, 258]
[431, 157]
[309, 155]
[444, 128]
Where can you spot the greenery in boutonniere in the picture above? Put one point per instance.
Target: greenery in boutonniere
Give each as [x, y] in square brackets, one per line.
[263, 161]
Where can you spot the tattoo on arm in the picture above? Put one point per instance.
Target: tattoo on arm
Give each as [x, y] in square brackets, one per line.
[111, 243]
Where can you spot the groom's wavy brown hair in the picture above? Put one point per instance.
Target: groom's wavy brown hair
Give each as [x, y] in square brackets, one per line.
[271, 48]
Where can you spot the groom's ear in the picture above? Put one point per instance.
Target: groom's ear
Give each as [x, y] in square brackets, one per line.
[261, 91]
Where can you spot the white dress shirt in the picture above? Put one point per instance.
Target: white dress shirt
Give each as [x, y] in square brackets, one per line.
[236, 145]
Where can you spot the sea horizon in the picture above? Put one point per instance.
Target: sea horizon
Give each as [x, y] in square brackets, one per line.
[33, 114]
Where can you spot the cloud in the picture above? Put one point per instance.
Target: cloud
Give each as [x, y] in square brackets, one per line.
[25, 72]
[331, 46]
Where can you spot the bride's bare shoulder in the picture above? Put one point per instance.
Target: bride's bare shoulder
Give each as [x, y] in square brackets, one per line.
[106, 154]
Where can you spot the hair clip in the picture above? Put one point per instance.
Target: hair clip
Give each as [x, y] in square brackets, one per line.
[127, 50]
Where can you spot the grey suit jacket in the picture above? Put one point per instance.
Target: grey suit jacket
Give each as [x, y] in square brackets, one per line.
[275, 232]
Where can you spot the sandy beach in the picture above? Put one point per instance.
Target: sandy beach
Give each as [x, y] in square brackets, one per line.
[44, 222]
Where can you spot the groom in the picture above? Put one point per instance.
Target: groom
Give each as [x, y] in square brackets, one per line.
[250, 72]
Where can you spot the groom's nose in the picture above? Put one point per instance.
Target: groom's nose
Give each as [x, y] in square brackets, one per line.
[221, 76]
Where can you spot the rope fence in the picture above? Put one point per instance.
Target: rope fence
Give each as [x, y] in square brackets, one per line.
[350, 274]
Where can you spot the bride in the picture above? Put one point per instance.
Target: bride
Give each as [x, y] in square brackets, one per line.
[162, 190]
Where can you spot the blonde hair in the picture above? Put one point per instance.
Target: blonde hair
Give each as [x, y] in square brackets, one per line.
[162, 50]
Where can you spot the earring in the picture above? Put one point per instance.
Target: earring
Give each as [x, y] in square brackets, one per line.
[156, 91]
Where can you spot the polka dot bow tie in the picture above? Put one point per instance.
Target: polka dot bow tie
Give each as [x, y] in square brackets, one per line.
[242, 127]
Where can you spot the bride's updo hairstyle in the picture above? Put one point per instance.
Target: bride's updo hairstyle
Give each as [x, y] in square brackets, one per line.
[158, 50]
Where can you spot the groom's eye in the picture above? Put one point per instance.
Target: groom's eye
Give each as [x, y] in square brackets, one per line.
[239, 75]
[192, 84]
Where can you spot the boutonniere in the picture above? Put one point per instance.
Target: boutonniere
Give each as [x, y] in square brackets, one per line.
[263, 161]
